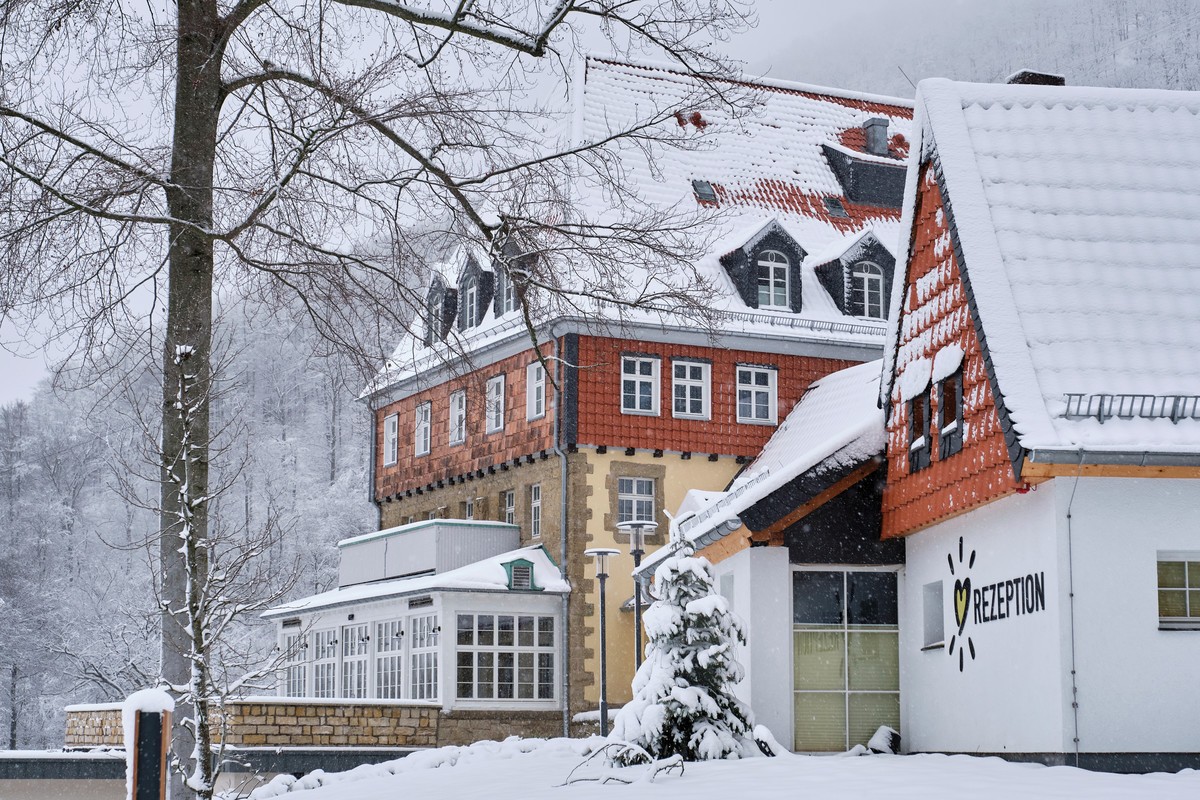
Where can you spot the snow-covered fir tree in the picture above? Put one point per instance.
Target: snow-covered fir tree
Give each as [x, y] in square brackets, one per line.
[683, 693]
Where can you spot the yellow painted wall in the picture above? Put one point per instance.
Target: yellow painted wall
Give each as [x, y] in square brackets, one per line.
[676, 476]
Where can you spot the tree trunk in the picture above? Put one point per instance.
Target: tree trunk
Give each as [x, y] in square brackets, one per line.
[189, 315]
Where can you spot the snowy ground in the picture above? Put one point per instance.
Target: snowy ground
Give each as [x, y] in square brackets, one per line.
[534, 769]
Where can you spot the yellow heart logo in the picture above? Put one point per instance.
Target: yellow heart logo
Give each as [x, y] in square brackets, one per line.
[962, 599]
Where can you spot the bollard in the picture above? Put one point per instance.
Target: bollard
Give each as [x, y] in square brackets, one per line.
[152, 738]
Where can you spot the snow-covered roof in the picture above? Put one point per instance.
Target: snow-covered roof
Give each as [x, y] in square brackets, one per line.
[487, 575]
[769, 158]
[837, 423]
[764, 158]
[1077, 210]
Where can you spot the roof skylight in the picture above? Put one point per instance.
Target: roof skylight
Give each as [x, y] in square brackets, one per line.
[705, 192]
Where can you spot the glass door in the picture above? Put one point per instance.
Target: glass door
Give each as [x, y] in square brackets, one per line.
[845, 657]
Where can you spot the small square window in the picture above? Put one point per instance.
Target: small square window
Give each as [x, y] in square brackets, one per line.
[756, 395]
[639, 385]
[1179, 591]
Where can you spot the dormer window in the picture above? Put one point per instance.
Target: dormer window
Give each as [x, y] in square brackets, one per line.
[506, 294]
[867, 290]
[470, 307]
[441, 305]
[773, 268]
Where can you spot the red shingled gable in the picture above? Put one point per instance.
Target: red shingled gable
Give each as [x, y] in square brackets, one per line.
[981, 472]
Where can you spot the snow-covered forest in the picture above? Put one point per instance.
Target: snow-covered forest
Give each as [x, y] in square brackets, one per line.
[78, 620]
[78, 615]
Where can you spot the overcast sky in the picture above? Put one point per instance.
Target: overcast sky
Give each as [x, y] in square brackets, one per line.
[878, 46]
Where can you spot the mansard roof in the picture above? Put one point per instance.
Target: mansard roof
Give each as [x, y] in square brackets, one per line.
[763, 158]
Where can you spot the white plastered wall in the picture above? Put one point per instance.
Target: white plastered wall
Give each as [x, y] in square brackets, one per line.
[1137, 685]
[1011, 697]
[762, 597]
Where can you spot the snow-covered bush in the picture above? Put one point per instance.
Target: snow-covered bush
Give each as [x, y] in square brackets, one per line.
[683, 693]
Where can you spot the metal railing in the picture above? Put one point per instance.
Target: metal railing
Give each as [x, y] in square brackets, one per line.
[719, 506]
[1103, 406]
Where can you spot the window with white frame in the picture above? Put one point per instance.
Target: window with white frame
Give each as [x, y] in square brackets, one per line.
[1179, 591]
[933, 606]
[458, 416]
[391, 439]
[756, 398]
[356, 646]
[295, 654]
[421, 429]
[325, 663]
[508, 501]
[635, 500]
[690, 389]
[845, 656]
[505, 657]
[535, 391]
[506, 292]
[639, 385]
[495, 404]
[470, 304]
[468, 508]
[423, 657]
[866, 285]
[389, 659]
[773, 267]
[535, 511]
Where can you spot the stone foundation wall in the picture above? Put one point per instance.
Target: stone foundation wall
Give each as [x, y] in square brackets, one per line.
[94, 726]
[465, 727]
[287, 723]
[261, 723]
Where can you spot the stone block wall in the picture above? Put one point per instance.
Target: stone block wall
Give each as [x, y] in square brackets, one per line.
[465, 727]
[288, 723]
[332, 724]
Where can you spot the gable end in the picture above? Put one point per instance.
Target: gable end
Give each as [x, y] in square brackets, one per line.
[1016, 453]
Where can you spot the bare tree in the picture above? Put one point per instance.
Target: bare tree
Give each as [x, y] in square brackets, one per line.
[151, 158]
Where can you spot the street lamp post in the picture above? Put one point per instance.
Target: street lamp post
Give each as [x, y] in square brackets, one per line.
[637, 543]
[601, 555]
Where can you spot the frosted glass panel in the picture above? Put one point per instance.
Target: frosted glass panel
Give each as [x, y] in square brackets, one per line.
[869, 711]
[820, 721]
[1172, 604]
[1171, 575]
[818, 658]
[874, 661]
